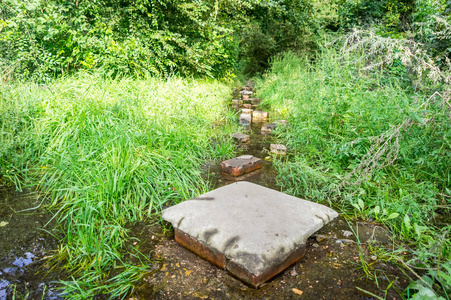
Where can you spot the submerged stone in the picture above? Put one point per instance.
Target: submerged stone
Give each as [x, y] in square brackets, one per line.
[255, 101]
[260, 115]
[241, 137]
[268, 128]
[246, 92]
[241, 165]
[247, 110]
[237, 102]
[245, 119]
[252, 231]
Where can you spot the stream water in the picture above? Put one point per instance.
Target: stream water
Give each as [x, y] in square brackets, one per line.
[26, 242]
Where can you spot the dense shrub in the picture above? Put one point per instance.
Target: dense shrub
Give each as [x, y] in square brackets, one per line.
[47, 38]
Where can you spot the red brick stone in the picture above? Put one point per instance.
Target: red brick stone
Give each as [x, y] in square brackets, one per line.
[190, 243]
[241, 165]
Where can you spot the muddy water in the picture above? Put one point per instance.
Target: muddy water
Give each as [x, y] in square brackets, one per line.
[25, 245]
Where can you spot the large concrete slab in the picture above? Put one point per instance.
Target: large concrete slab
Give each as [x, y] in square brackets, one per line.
[252, 231]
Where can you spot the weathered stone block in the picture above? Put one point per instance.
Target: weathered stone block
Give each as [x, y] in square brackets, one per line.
[259, 115]
[255, 101]
[241, 165]
[247, 110]
[245, 97]
[268, 128]
[252, 231]
[245, 92]
[241, 137]
[278, 149]
[247, 106]
[237, 102]
[245, 119]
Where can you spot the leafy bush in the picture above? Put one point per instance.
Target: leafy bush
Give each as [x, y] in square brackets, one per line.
[43, 39]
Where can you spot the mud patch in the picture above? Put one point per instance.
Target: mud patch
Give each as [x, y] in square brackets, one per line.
[331, 269]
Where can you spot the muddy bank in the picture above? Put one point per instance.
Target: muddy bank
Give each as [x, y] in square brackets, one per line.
[26, 242]
[331, 269]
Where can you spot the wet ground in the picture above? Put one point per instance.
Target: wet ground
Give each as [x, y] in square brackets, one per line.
[330, 269]
[25, 245]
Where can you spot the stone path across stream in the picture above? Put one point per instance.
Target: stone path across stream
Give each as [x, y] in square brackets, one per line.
[334, 266]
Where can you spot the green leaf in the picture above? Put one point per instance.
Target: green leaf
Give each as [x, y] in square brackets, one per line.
[392, 216]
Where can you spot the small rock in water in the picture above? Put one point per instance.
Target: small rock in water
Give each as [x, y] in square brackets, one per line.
[255, 101]
[278, 149]
[241, 137]
[268, 128]
[245, 119]
[319, 238]
[260, 115]
[237, 102]
[347, 233]
[245, 92]
[247, 111]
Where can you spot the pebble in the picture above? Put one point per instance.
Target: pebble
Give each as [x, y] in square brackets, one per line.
[373, 257]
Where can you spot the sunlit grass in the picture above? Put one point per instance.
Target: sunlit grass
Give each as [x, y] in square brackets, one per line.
[107, 153]
[336, 112]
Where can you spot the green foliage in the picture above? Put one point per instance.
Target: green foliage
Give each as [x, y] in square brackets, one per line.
[337, 112]
[108, 153]
[43, 39]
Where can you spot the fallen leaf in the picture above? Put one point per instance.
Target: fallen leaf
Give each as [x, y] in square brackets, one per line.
[296, 291]
[163, 267]
[188, 272]
[3, 223]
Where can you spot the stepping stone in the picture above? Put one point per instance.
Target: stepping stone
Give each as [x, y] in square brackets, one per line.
[268, 128]
[247, 110]
[245, 92]
[241, 165]
[278, 149]
[246, 88]
[241, 137]
[247, 105]
[245, 97]
[252, 231]
[237, 102]
[260, 115]
[245, 119]
[255, 101]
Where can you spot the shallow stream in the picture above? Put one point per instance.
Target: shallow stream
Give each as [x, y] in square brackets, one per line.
[26, 242]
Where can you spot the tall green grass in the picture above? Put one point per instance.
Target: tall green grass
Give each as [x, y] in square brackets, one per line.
[336, 111]
[107, 153]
